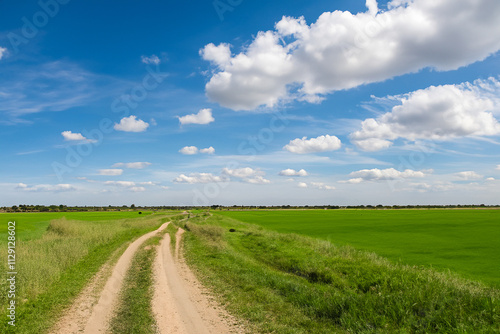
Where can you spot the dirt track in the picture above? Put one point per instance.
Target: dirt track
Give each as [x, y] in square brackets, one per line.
[180, 303]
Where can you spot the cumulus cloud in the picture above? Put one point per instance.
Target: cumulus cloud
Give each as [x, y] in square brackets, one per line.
[468, 175]
[293, 172]
[208, 150]
[191, 150]
[70, 136]
[498, 167]
[319, 144]
[151, 60]
[247, 174]
[435, 113]
[204, 116]
[131, 124]
[110, 172]
[120, 183]
[46, 187]
[383, 175]
[3, 51]
[315, 185]
[342, 50]
[132, 165]
[198, 178]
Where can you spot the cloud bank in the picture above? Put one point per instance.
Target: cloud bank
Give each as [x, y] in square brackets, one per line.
[342, 50]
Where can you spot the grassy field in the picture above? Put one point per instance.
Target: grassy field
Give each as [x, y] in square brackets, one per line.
[464, 241]
[33, 225]
[288, 283]
[57, 259]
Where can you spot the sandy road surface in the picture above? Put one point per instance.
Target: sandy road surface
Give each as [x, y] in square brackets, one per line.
[180, 303]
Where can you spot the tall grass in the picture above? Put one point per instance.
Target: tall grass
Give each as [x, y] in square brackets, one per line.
[51, 270]
[286, 283]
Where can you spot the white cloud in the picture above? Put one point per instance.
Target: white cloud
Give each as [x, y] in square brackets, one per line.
[219, 55]
[258, 179]
[490, 179]
[120, 183]
[319, 144]
[110, 172]
[498, 167]
[137, 189]
[322, 186]
[132, 165]
[151, 60]
[383, 174]
[468, 175]
[189, 150]
[435, 113]
[46, 187]
[208, 150]
[131, 124]
[204, 116]
[70, 136]
[292, 172]
[315, 185]
[198, 178]
[3, 51]
[247, 174]
[343, 50]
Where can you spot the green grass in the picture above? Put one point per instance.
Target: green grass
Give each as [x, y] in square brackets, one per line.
[33, 225]
[464, 241]
[55, 266]
[135, 314]
[288, 283]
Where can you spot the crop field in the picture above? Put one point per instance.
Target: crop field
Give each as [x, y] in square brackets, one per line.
[464, 241]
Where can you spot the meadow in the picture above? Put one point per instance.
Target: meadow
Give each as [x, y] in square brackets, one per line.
[463, 241]
[289, 283]
[58, 253]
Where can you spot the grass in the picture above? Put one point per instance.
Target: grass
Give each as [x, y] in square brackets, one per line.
[463, 241]
[33, 225]
[135, 314]
[54, 267]
[288, 283]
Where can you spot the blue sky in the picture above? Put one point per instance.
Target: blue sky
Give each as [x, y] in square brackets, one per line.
[249, 102]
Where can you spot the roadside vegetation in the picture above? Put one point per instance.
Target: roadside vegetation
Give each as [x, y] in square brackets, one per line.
[54, 266]
[288, 283]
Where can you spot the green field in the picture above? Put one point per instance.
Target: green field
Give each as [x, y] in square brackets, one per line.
[58, 253]
[464, 241]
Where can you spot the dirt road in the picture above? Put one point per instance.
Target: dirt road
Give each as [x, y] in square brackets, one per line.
[180, 303]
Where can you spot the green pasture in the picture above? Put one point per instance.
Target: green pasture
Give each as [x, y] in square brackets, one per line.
[32, 225]
[464, 241]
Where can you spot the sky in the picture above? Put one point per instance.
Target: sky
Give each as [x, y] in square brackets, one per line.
[238, 102]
